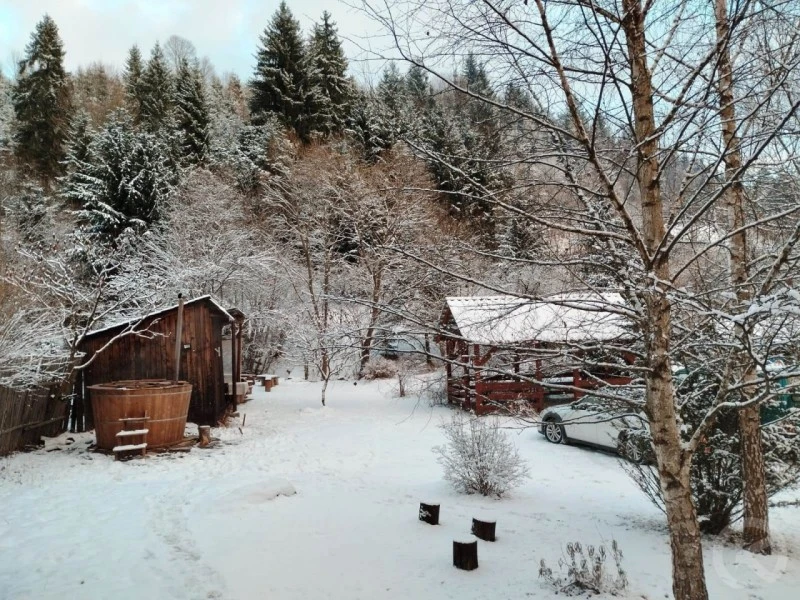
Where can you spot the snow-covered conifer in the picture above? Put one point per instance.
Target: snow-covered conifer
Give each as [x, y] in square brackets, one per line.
[125, 182]
[158, 92]
[132, 78]
[42, 102]
[192, 113]
[279, 84]
[330, 88]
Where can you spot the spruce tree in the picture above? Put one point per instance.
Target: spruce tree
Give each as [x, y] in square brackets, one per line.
[330, 90]
[192, 113]
[125, 181]
[392, 94]
[368, 126]
[132, 78]
[158, 92]
[80, 137]
[279, 84]
[418, 88]
[42, 102]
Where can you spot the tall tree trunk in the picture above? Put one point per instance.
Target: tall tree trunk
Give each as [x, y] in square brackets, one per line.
[688, 577]
[673, 463]
[375, 313]
[755, 502]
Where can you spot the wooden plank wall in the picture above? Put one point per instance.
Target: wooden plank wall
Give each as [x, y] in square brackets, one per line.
[137, 357]
[26, 415]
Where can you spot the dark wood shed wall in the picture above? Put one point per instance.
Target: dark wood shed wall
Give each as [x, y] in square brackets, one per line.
[138, 357]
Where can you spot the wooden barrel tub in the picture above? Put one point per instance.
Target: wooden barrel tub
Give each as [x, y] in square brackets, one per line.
[164, 403]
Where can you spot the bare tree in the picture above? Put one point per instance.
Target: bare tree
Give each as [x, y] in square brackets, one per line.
[620, 145]
[177, 49]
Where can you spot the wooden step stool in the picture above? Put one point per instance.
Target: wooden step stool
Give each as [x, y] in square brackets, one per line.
[132, 440]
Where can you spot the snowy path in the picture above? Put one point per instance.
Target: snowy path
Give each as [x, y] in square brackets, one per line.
[226, 524]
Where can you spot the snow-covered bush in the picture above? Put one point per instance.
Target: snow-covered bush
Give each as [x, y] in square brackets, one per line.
[582, 571]
[379, 368]
[479, 458]
[429, 386]
[716, 473]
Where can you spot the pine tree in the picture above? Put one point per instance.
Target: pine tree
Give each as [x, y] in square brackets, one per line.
[481, 114]
[132, 78]
[330, 89]
[224, 124]
[125, 182]
[80, 138]
[419, 89]
[192, 113]
[158, 92]
[392, 94]
[368, 126]
[279, 84]
[42, 102]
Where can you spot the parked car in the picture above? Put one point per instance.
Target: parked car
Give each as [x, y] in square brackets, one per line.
[594, 421]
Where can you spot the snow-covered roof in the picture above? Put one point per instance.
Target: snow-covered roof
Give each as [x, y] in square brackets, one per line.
[573, 317]
[207, 298]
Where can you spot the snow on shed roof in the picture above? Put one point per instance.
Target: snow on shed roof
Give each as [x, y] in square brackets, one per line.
[207, 298]
[573, 317]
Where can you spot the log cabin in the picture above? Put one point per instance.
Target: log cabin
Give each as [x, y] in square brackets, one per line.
[211, 352]
[505, 352]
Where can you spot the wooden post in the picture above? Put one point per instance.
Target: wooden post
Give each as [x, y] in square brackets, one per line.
[484, 530]
[465, 555]
[429, 513]
[233, 363]
[179, 339]
[477, 379]
[239, 329]
[204, 435]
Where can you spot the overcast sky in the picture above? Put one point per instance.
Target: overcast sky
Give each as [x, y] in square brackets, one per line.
[224, 30]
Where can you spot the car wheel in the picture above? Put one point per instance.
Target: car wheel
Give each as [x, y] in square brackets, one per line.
[554, 432]
[633, 453]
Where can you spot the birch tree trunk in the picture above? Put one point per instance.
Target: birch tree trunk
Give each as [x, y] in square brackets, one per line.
[673, 463]
[755, 502]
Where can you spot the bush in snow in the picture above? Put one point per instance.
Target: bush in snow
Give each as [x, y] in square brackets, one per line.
[429, 386]
[379, 368]
[717, 485]
[585, 570]
[479, 458]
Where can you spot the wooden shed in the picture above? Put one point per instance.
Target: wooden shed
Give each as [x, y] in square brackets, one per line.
[500, 350]
[151, 355]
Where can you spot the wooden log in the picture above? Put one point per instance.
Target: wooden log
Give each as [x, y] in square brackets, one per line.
[204, 435]
[465, 555]
[429, 513]
[484, 530]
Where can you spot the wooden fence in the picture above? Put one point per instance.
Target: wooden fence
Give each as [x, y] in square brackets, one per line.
[26, 415]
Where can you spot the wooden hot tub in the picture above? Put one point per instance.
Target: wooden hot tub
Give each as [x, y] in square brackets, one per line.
[164, 403]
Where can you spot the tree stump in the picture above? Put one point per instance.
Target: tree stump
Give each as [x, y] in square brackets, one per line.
[429, 513]
[205, 435]
[484, 529]
[465, 555]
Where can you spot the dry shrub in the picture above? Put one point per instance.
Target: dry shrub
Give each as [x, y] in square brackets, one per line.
[479, 458]
[379, 368]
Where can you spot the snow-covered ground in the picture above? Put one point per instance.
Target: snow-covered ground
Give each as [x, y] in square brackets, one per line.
[310, 502]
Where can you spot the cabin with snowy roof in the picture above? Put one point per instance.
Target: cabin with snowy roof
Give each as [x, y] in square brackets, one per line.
[211, 355]
[502, 351]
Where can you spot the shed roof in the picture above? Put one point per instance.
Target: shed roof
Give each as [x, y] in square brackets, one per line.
[215, 306]
[573, 317]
